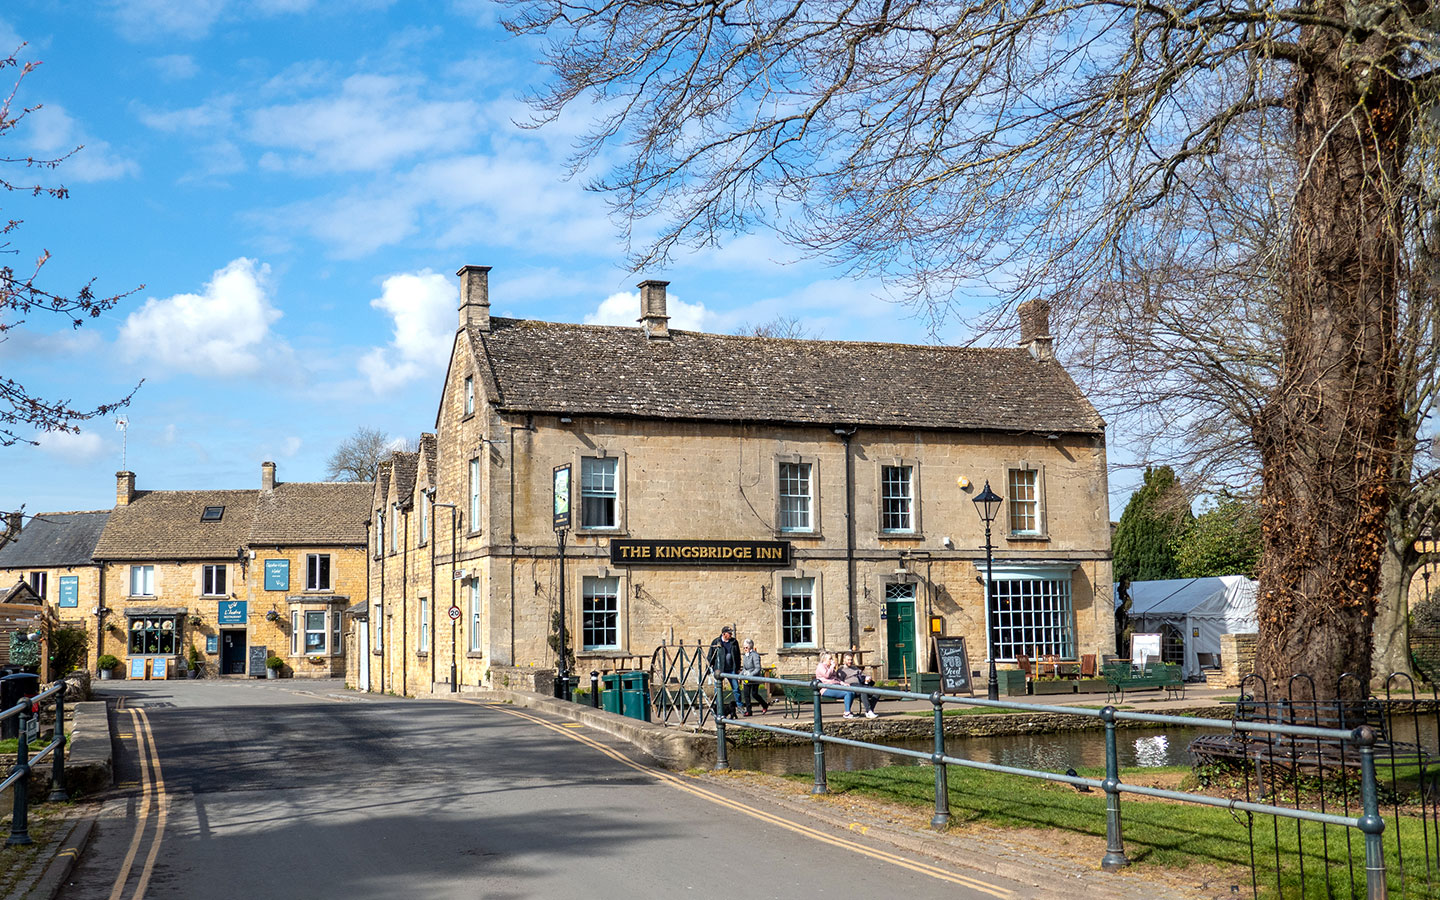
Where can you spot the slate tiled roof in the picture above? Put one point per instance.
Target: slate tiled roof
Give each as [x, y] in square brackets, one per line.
[54, 540]
[604, 370]
[403, 467]
[427, 453]
[312, 513]
[166, 525]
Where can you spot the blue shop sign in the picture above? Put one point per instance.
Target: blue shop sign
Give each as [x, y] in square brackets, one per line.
[69, 591]
[232, 612]
[277, 574]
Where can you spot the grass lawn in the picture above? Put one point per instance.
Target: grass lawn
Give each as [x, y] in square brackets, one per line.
[1172, 835]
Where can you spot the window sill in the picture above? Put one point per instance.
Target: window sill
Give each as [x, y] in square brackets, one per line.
[474, 534]
[604, 652]
[465, 417]
[600, 532]
[143, 597]
[423, 654]
[799, 535]
[901, 535]
[1027, 537]
[474, 654]
[377, 652]
[797, 651]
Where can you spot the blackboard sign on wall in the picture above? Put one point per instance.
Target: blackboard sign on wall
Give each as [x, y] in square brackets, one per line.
[954, 665]
[258, 655]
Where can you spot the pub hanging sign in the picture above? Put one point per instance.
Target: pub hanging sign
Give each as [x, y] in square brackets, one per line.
[700, 553]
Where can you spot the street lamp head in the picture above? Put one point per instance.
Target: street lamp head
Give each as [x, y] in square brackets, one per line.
[987, 503]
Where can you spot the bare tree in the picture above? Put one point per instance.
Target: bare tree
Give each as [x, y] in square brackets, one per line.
[358, 457]
[1037, 145]
[788, 327]
[22, 293]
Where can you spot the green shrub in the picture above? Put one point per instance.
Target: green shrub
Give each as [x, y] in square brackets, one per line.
[106, 661]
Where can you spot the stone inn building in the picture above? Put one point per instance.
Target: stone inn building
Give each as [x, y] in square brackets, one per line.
[812, 494]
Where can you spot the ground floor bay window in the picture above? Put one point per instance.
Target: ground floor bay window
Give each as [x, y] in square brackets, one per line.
[316, 632]
[1030, 613]
[154, 636]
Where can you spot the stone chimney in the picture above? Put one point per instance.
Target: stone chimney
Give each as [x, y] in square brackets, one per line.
[267, 476]
[475, 296]
[652, 310]
[1035, 328]
[124, 488]
[13, 522]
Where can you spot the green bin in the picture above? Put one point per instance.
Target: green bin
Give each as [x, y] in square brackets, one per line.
[610, 692]
[635, 695]
[926, 682]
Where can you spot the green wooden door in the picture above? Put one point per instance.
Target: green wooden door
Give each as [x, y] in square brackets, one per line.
[900, 636]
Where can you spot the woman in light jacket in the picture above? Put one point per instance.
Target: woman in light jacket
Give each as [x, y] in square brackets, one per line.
[750, 665]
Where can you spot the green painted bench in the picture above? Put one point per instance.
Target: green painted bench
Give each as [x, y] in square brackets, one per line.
[1122, 677]
[801, 697]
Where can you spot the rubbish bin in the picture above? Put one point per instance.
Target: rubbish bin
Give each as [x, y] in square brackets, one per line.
[635, 695]
[610, 693]
[14, 688]
[927, 682]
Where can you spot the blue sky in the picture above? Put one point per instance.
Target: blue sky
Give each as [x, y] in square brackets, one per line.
[295, 182]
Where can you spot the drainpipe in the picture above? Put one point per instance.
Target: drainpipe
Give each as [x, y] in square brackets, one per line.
[852, 613]
[100, 616]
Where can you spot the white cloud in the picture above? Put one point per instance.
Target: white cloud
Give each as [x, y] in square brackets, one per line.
[74, 448]
[185, 18]
[50, 132]
[176, 66]
[291, 446]
[624, 309]
[422, 306]
[374, 121]
[223, 331]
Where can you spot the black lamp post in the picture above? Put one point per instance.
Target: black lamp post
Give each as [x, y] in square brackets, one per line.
[987, 503]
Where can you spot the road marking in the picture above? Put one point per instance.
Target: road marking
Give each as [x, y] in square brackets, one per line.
[163, 802]
[152, 792]
[574, 725]
[680, 783]
[127, 734]
[124, 874]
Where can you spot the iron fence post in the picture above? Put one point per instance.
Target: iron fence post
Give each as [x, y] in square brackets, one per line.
[722, 759]
[57, 772]
[19, 819]
[1114, 843]
[1370, 822]
[818, 729]
[941, 821]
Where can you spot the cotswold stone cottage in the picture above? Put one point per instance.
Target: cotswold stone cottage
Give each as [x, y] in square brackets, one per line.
[813, 494]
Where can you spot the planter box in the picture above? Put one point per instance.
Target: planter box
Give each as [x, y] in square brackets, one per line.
[1092, 686]
[1012, 682]
[1041, 686]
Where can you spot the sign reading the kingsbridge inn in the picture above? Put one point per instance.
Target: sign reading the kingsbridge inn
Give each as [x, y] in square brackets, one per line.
[700, 553]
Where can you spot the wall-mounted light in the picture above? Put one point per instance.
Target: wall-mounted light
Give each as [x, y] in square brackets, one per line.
[565, 420]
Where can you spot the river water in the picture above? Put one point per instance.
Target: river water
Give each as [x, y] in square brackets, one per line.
[1056, 752]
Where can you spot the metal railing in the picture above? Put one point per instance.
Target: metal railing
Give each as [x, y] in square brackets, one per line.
[28, 711]
[1362, 739]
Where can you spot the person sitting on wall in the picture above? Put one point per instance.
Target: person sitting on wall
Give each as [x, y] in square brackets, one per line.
[853, 674]
[832, 686]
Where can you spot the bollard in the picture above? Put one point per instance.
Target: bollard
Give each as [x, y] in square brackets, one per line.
[1370, 823]
[820, 786]
[722, 761]
[595, 688]
[19, 820]
[57, 772]
[1114, 844]
[941, 822]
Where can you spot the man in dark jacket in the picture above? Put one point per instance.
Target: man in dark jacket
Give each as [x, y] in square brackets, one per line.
[725, 659]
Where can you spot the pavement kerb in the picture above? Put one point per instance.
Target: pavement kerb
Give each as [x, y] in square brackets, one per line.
[66, 855]
[672, 747]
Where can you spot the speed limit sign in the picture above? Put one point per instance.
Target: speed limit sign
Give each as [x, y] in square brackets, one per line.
[454, 613]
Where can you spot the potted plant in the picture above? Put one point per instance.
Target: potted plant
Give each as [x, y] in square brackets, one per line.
[273, 665]
[107, 664]
[196, 663]
[1052, 685]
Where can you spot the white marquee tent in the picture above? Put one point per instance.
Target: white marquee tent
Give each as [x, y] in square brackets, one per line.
[1199, 609]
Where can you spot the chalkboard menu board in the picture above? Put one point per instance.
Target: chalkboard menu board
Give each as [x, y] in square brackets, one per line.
[258, 655]
[954, 665]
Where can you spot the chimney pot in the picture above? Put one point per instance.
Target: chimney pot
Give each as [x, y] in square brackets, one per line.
[652, 310]
[124, 488]
[475, 296]
[267, 476]
[1035, 328]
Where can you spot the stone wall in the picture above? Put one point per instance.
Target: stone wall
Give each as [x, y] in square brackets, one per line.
[1237, 657]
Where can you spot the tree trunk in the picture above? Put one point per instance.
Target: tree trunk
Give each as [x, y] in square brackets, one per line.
[1392, 608]
[1328, 433]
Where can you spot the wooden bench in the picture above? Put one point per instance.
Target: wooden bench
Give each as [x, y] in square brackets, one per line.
[801, 697]
[1121, 677]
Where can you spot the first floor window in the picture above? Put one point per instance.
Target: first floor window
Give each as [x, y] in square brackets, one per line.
[317, 572]
[315, 632]
[424, 625]
[600, 613]
[1031, 617]
[396, 540]
[337, 645]
[154, 635]
[475, 616]
[379, 616]
[896, 499]
[473, 489]
[424, 516]
[598, 492]
[795, 497]
[212, 581]
[37, 583]
[379, 533]
[797, 612]
[142, 581]
[1024, 501]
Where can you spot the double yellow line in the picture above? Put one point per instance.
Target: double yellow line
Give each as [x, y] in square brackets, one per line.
[689, 787]
[152, 795]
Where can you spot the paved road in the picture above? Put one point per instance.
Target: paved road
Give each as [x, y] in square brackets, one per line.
[305, 791]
